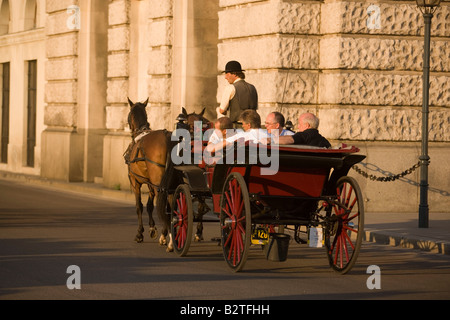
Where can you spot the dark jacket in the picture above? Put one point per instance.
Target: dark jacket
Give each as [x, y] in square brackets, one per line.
[311, 137]
[245, 98]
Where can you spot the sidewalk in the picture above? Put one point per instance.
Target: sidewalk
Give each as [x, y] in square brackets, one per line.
[395, 229]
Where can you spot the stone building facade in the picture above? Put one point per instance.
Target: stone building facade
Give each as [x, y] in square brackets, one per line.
[356, 64]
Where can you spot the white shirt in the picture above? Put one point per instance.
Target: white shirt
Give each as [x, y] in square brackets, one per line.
[227, 95]
[253, 135]
[287, 132]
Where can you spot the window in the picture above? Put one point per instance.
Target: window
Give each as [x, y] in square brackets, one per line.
[4, 70]
[30, 14]
[31, 111]
[4, 17]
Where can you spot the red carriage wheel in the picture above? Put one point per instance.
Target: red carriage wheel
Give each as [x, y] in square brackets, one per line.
[344, 233]
[235, 221]
[182, 220]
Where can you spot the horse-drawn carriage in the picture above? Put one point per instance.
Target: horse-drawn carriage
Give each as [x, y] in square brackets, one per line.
[308, 189]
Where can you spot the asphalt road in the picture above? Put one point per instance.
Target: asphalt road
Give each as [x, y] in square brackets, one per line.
[43, 231]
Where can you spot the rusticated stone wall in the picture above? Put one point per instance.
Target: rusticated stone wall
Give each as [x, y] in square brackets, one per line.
[376, 73]
[364, 83]
[62, 67]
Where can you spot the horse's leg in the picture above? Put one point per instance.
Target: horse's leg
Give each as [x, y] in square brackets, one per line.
[152, 228]
[165, 220]
[137, 193]
[202, 210]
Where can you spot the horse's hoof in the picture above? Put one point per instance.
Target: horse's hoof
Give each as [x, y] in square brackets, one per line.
[169, 249]
[153, 233]
[162, 241]
[198, 238]
[139, 239]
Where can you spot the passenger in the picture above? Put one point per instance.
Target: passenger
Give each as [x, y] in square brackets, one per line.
[251, 124]
[239, 95]
[275, 123]
[308, 133]
[222, 126]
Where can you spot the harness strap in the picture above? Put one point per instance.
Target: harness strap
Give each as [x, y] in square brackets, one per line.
[144, 158]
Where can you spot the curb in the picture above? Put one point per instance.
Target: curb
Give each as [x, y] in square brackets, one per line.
[405, 241]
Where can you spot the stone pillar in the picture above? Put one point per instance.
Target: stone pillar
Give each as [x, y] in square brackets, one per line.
[61, 148]
[194, 67]
[118, 76]
[159, 63]
[75, 92]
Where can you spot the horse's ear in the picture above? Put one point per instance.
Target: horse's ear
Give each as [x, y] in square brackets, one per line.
[130, 102]
[146, 102]
[184, 111]
[203, 111]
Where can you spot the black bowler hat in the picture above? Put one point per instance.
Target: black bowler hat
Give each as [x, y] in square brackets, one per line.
[233, 66]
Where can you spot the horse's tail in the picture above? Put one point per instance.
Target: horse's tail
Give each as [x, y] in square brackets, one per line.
[161, 200]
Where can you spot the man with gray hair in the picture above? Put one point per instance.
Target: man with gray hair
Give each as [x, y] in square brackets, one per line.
[308, 133]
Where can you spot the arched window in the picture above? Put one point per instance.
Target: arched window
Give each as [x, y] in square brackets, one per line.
[4, 17]
[30, 14]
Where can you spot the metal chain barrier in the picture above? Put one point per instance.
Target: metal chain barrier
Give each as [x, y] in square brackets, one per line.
[386, 179]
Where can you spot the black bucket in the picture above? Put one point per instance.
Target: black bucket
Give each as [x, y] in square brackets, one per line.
[277, 248]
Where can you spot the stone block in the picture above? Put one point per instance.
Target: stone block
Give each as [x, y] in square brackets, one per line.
[115, 171]
[61, 92]
[159, 116]
[62, 155]
[160, 61]
[60, 115]
[394, 19]
[160, 32]
[118, 65]
[374, 88]
[281, 86]
[61, 69]
[382, 124]
[119, 38]
[58, 5]
[117, 91]
[117, 117]
[62, 45]
[57, 23]
[160, 9]
[279, 17]
[160, 89]
[269, 52]
[119, 11]
[348, 52]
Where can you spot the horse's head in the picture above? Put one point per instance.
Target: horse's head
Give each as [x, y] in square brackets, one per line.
[193, 117]
[137, 118]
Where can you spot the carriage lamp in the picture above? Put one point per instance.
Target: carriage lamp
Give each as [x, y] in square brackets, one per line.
[427, 7]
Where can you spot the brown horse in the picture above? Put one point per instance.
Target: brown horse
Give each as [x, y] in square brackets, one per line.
[147, 158]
